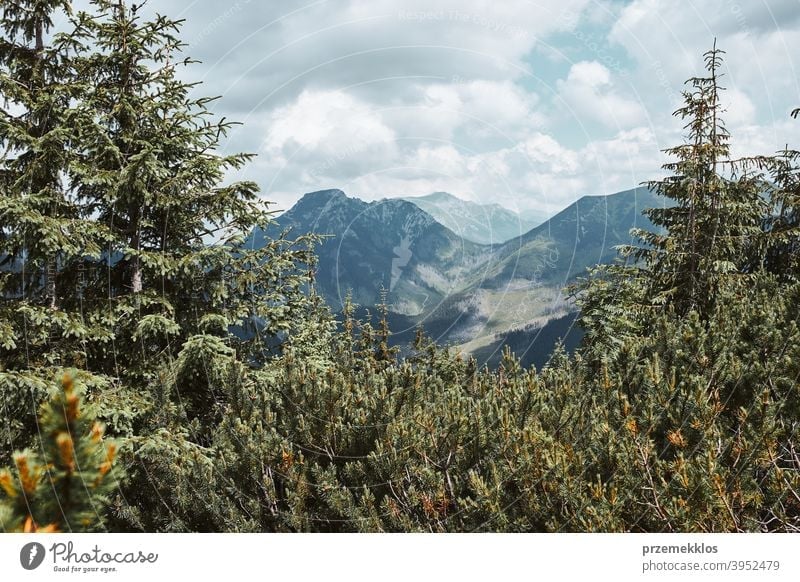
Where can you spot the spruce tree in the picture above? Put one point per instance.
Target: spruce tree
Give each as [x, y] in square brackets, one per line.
[712, 229]
[45, 232]
[175, 262]
[113, 170]
[182, 294]
[33, 79]
[680, 415]
[111, 177]
[783, 222]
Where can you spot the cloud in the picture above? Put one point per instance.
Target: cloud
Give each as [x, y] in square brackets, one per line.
[547, 155]
[269, 52]
[589, 91]
[326, 134]
[749, 140]
[761, 40]
[538, 173]
[441, 137]
[474, 110]
[325, 119]
[739, 108]
[530, 104]
[443, 160]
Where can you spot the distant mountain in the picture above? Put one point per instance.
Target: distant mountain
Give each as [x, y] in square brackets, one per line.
[480, 223]
[580, 236]
[533, 217]
[520, 286]
[475, 296]
[389, 245]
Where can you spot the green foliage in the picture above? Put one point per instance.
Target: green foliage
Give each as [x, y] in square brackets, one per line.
[148, 168]
[711, 308]
[712, 232]
[67, 483]
[782, 255]
[118, 240]
[675, 433]
[44, 229]
[121, 248]
[246, 407]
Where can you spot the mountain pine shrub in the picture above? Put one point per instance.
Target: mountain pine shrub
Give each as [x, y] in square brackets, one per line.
[66, 483]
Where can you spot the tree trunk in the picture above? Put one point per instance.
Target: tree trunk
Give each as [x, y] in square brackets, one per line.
[50, 282]
[136, 263]
[136, 276]
[51, 266]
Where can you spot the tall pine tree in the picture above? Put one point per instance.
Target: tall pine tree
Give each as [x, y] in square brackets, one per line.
[712, 230]
[45, 232]
[149, 168]
[113, 181]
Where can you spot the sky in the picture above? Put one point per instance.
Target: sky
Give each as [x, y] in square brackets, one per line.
[523, 103]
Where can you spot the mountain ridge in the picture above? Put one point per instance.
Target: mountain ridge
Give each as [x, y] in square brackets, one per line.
[481, 223]
[475, 296]
[387, 245]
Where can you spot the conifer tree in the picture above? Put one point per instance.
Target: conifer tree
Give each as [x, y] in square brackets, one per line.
[45, 232]
[783, 222]
[712, 229]
[175, 279]
[33, 141]
[149, 243]
[175, 262]
[679, 415]
[111, 175]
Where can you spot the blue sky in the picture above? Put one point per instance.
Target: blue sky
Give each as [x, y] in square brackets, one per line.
[528, 104]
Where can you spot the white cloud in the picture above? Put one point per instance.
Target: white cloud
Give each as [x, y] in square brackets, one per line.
[761, 40]
[548, 155]
[477, 109]
[590, 74]
[754, 139]
[333, 138]
[761, 74]
[327, 120]
[489, 100]
[537, 173]
[272, 51]
[444, 160]
[324, 135]
[739, 108]
[589, 92]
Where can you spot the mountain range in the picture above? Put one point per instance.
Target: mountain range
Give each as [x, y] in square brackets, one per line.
[390, 245]
[480, 223]
[478, 297]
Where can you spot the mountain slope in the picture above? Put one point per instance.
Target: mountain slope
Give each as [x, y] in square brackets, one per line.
[583, 234]
[520, 286]
[387, 245]
[479, 297]
[480, 223]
